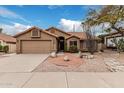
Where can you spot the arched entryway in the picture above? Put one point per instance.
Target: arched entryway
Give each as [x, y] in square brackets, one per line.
[61, 43]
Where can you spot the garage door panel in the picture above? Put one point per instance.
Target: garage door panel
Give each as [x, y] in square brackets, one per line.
[36, 46]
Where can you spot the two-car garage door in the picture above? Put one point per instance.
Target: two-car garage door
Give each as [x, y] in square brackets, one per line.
[37, 46]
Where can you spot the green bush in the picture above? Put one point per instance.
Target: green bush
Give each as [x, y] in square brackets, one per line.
[65, 48]
[119, 44]
[1, 47]
[73, 49]
[6, 49]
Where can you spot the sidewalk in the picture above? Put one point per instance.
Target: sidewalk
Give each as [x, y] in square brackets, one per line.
[62, 80]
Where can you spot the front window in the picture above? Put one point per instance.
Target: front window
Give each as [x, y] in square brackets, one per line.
[73, 43]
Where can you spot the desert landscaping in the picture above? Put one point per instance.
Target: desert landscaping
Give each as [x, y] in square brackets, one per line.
[102, 62]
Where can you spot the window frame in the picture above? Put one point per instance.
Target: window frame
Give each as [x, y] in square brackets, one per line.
[38, 31]
[72, 43]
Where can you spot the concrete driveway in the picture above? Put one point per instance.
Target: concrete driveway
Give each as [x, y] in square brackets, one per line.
[62, 80]
[16, 72]
[21, 62]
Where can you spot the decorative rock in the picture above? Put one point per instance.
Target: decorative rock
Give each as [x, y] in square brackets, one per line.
[80, 54]
[86, 56]
[90, 56]
[66, 58]
[100, 52]
[53, 54]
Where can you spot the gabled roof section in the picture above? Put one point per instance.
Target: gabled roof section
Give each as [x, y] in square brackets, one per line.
[34, 27]
[7, 38]
[81, 35]
[57, 30]
[72, 37]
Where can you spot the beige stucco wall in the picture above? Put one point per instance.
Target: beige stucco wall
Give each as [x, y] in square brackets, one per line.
[2, 43]
[43, 36]
[73, 39]
[100, 46]
[83, 45]
[12, 46]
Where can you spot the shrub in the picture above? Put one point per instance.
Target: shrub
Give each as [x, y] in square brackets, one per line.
[73, 49]
[1, 47]
[6, 49]
[65, 48]
[119, 44]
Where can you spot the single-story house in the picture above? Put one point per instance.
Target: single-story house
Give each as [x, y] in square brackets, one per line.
[107, 39]
[9, 41]
[36, 40]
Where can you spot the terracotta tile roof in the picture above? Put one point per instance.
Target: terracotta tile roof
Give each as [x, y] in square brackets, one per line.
[34, 27]
[50, 33]
[73, 36]
[57, 30]
[81, 35]
[7, 38]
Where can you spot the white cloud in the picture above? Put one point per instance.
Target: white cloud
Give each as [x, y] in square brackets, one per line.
[120, 24]
[54, 6]
[70, 25]
[14, 29]
[100, 29]
[6, 13]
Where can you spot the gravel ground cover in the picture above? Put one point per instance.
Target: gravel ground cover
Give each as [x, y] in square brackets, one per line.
[75, 64]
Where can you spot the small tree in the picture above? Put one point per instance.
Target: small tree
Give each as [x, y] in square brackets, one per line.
[91, 39]
[119, 44]
[111, 14]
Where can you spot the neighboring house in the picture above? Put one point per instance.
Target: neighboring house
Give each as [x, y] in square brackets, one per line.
[9, 41]
[36, 40]
[107, 39]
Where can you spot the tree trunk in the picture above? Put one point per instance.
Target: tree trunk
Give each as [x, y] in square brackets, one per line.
[118, 30]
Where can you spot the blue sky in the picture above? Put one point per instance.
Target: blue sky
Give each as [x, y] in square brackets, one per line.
[18, 18]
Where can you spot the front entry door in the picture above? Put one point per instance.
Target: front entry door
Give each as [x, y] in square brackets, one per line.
[61, 43]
